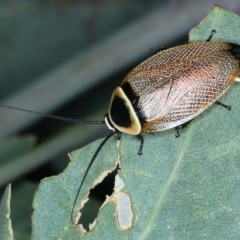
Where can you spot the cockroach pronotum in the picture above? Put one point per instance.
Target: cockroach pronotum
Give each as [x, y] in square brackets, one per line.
[167, 91]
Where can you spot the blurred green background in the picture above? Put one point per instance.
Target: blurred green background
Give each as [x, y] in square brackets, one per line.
[65, 58]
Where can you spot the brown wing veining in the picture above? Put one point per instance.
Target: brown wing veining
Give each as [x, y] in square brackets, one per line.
[169, 62]
[178, 84]
[192, 91]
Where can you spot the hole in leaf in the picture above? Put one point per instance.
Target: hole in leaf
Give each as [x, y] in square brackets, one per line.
[97, 197]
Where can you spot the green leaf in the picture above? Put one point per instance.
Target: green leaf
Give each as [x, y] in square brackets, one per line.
[6, 232]
[180, 188]
[54, 199]
[21, 206]
[226, 24]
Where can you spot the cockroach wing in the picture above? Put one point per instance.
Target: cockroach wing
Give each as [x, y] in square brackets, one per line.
[167, 63]
[188, 93]
[183, 83]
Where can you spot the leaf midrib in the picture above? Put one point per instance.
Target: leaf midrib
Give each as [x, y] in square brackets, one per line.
[170, 180]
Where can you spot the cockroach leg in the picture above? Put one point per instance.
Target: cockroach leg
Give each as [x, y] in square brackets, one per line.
[177, 135]
[140, 137]
[211, 35]
[119, 136]
[223, 105]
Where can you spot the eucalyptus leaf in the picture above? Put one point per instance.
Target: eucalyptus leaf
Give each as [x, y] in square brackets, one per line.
[226, 24]
[21, 208]
[6, 232]
[180, 188]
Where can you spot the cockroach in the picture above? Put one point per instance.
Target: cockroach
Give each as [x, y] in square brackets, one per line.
[167, 91]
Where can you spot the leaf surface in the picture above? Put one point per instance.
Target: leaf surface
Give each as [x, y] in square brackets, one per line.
[180, 188]
[6, 232]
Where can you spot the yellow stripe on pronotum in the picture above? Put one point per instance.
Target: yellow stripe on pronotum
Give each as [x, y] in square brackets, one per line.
[167, 91]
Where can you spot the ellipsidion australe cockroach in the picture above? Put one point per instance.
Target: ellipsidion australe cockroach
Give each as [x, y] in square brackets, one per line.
[167, 91]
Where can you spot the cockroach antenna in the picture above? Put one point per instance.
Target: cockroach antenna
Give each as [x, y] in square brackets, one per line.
[86, 172]
[65, 119]
[72, 120]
